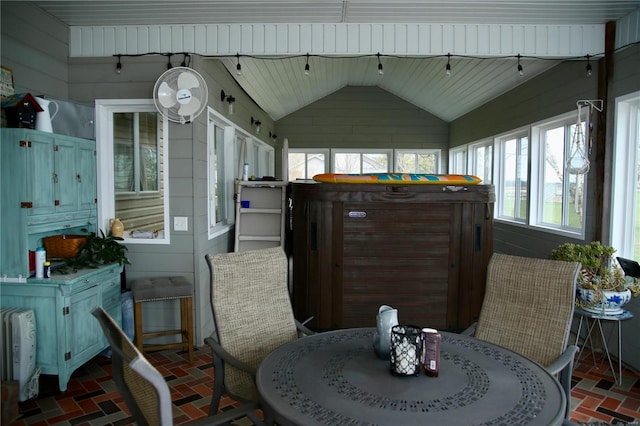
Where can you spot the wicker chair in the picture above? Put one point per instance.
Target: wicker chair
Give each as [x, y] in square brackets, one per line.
[252, 314]
[143, 388]
[528, 308]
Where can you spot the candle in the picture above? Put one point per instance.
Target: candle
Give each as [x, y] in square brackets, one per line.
[405, 358]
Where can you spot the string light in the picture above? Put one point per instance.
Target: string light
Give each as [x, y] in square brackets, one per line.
[448, 68]
[186, 60]
[256, 123]
[520, 69]
[238, 66]
[306, 66]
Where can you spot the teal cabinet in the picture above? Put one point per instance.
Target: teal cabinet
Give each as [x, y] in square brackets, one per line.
[67, 335]
[48, 186]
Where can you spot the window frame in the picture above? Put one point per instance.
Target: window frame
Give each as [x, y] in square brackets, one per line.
[472, 157]
[238, 147]
[104, 110]
[433, 151]
[537, 178]
[498, 174]
[307, 153]
[458, 160]
[626, 159]
[217, 226]
[362, 152]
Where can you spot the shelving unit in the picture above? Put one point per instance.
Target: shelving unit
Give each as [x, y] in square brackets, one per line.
[261, 225]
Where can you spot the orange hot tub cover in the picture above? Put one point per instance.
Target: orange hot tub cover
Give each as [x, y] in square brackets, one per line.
[398, 178]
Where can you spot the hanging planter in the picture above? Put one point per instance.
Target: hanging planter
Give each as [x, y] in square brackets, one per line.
[578, 161]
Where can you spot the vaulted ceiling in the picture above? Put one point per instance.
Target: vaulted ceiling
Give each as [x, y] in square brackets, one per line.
[280, 86]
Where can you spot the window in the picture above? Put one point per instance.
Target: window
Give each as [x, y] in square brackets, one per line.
[261, 158]
[458, 160]
[306, 163]
[557, 196]
[481, 160]
[135, 156]
[512, 189]
[133, 159]
[625, 218]
[373, 161]
[217, 191]
[417, 161]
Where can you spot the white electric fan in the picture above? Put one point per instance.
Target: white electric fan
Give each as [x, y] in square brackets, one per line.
[180, 94]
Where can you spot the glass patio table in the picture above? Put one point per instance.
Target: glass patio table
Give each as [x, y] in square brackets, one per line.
[335, 378]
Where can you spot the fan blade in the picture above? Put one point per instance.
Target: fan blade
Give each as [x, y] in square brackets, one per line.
[187, 80]
[190, 108]
[166, 95]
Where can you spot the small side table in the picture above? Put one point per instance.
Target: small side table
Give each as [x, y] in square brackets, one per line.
[592, 319]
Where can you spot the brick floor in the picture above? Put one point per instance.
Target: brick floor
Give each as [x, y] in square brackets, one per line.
[91, 398]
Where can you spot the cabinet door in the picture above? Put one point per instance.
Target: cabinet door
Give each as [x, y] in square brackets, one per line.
[84, 336]
[66, 187]
[86, 175]
[40, 174]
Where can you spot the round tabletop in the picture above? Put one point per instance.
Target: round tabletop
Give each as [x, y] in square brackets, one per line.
[335, 378]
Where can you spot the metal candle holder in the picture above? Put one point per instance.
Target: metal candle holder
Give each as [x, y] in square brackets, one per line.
[406, 344]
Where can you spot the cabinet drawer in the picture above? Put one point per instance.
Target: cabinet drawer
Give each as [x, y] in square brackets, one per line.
[64, 220]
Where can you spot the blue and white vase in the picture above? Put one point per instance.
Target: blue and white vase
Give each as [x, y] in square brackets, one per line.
[610, 304]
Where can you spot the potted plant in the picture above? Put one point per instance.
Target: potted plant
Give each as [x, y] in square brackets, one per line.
[99, 250]
[602, 285]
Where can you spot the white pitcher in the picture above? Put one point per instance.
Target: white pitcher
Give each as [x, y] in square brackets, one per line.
[387, 317]
[45, 118]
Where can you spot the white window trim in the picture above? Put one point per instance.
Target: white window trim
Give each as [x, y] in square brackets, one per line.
[498, 177]
[216, 119]
[325, 151]
[362, 151]
[624, 176]
[105, 108]
[234, 135]
[537, 153]
[437, 152]
[453, 153]
[471, 156]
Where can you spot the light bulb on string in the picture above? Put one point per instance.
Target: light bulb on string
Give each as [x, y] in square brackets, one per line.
[520, 69]
[169, 65]
[306, 66]
[380, 70]
[238, 66]
[448, 67]
[119, 66]
[589, 68]
[578, 161]
[186, 60]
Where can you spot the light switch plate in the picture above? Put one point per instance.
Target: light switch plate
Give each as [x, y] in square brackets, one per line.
[180, 223]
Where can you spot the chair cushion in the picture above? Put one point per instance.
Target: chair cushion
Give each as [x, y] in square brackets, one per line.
[160, 288]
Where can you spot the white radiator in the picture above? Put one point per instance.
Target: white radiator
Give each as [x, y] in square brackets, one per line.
[18, 328]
